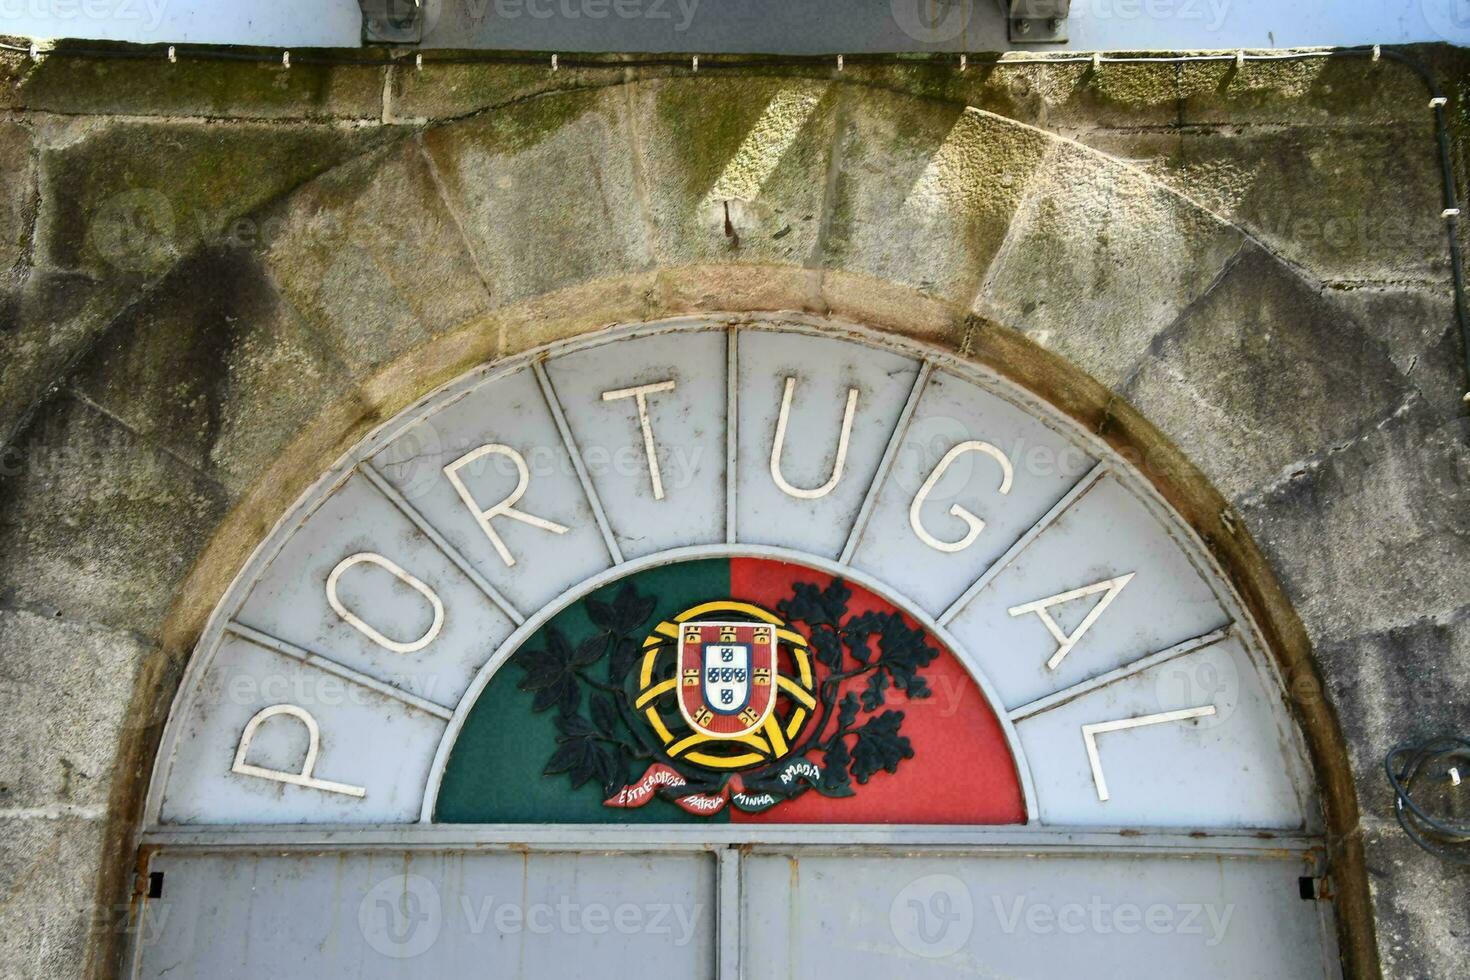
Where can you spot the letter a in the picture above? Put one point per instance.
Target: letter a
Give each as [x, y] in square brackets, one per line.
[1065, 641]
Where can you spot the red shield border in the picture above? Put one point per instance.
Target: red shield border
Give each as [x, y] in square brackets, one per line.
[694, 636]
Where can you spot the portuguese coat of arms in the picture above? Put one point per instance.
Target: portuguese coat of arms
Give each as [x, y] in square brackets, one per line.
[727, 673]
[728, 702]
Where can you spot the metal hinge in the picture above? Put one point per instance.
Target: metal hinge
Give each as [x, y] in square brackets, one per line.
[392, 21]
[1038, 21]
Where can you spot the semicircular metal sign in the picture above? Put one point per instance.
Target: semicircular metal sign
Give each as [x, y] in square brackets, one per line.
[737, 577]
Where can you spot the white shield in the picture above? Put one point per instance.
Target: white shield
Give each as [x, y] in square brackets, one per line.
[727, 677]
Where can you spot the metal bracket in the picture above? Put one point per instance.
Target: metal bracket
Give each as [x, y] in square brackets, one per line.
[392, 21]
[1037, 21]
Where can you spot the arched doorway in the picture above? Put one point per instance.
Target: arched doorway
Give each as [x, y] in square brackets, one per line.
[732, 645]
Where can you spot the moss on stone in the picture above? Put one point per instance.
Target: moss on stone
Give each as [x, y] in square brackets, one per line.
[130, 197]
[17, 194]
[754, 150]
[547, 191]
[526, 124]
[708, 119]
[925, 190]
[371, 257]
[439, 92]
[1317, 91]
[1349, 205]
[196, 87]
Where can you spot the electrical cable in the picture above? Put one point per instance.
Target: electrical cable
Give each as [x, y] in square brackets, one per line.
[1409, 764]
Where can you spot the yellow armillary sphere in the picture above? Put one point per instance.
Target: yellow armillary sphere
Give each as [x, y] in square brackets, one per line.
[726, 685]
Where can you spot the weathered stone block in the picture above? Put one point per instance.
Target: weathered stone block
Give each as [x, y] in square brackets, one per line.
[195, 87]
[50, 916]
[17, 194]
[925, 191]
[1100, 259]
[1077, 98]
[1378, 682]
[546, 191]
[65, 696]
[721, 286]
[1067, 98]
[1374, 534]
[1421, 906]
[577, 309]
[1357, 204]
[1321, 91]
[1262, 373]
[869, 299]
[371, 257]
[1146, 150]
[216, 369]
[132, 198]
[47, 321]
[754, 150]
[1419, 329]
[13, 67]
[97, 523]
[444, 92]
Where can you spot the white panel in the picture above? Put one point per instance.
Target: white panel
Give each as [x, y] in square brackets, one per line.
[374, 916]
[367, 740]
[801, 27]
[1045, 465]
[1229, 768]
[1105, 535]
[687, 425]
[510, 411]
[1233, 766]
[1051, 916]
[825, 371]
[290, 601]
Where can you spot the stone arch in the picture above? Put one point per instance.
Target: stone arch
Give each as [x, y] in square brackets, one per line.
[1004, 194]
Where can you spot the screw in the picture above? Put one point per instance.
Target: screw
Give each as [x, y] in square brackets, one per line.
[1054, 25]
[1023, 27]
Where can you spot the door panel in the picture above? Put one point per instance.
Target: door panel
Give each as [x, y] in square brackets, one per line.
[398, 915]
[1031, 916]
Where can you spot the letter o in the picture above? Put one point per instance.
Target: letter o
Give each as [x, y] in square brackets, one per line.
[357, 623]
